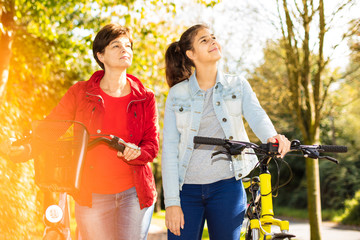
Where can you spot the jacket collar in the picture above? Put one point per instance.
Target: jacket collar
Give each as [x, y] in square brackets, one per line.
[137, 88]
[194, 85]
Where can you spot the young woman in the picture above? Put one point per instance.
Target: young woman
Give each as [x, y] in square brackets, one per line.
[117, 193]
[206, 102]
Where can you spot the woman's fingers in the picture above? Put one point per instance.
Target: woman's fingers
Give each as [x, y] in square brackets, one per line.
[174, 219]
[129, 153]
[284, 144]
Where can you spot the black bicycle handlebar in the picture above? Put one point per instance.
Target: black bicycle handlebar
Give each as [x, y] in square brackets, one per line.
[236, 147]
[332, 148]
[231, 144]
[113, 142]
[210, 141]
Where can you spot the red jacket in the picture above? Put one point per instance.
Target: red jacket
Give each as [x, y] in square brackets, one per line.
[82, 102]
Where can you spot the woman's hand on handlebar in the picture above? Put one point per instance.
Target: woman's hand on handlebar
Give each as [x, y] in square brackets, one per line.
[284, 144]
[129, 153]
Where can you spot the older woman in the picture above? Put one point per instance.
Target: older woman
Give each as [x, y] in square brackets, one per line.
[117, 192]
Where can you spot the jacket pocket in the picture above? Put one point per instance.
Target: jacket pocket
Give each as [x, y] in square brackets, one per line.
[233, 102]
[182, 114]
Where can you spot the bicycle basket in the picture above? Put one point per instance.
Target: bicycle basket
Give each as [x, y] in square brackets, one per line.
[59, 153]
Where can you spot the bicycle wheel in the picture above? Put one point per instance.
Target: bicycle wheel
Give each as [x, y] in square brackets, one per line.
[248, 235]
[251, 234]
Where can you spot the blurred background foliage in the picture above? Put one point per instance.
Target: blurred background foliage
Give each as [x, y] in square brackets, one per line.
[46, 48]
[339, 125]
[48, 45]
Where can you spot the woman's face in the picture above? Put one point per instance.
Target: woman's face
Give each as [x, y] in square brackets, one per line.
[206, 48]
[118, 54]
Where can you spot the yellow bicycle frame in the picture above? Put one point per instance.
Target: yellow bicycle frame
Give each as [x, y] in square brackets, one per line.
[267, 213]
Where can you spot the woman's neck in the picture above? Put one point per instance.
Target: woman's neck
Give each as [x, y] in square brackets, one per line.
[115, 84]
[206, 76]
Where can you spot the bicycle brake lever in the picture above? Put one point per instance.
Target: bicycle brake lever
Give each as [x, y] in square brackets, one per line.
[330, 159]
[236, 150]
[315, 155]
[311, 154]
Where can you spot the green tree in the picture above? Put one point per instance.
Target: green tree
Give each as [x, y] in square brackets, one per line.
[307, 82]
[339, 126]
[342, 127]
[355, 39]
[35, 66]
[48, 50]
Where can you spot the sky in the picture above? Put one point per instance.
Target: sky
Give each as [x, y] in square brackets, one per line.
[243, 27]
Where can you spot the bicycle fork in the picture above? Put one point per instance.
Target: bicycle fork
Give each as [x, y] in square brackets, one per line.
[57, 220]
[261, 228]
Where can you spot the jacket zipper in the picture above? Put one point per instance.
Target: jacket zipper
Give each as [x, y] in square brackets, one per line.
[91, 117]
[127, 109]
[93, 110]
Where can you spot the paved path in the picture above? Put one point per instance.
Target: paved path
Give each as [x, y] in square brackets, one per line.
[329, 231]
[157, 230]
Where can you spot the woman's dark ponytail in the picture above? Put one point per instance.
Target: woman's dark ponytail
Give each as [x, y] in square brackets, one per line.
[176, 68]
[178, 65]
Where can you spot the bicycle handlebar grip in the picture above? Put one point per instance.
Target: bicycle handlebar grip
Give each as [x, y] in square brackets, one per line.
[209, 141]
[118, 146]
[333, 148]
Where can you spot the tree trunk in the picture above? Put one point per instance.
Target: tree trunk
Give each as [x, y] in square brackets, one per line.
[6, 38]
[5, 46]
[313, 185]
[305, 93]
[313, 196]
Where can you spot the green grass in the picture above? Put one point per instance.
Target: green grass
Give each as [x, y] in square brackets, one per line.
[205, 235]
[327, 215]
[291, 212]
[161, 216]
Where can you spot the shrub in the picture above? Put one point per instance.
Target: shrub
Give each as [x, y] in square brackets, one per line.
[352, 211]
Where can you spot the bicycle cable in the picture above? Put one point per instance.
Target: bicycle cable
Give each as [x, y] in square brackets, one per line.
[277, 185]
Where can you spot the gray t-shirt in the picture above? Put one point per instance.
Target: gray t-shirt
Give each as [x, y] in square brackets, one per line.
[202, 168]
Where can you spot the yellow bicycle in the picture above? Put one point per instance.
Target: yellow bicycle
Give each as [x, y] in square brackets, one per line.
[260, 209]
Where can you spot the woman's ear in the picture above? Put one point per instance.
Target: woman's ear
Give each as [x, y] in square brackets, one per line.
[100, 56]
[190, 54]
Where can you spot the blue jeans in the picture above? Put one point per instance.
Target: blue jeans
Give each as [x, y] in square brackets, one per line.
[114, 217]
[222, 204]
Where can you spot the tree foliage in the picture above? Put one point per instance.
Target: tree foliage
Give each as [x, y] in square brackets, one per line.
[291, 65]
[308, 84]
[49, 49]
[339, 126]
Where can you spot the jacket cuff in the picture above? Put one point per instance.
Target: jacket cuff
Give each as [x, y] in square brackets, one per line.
[172, 202]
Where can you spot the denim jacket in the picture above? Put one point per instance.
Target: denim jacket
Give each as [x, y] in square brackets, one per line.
[233, 99]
